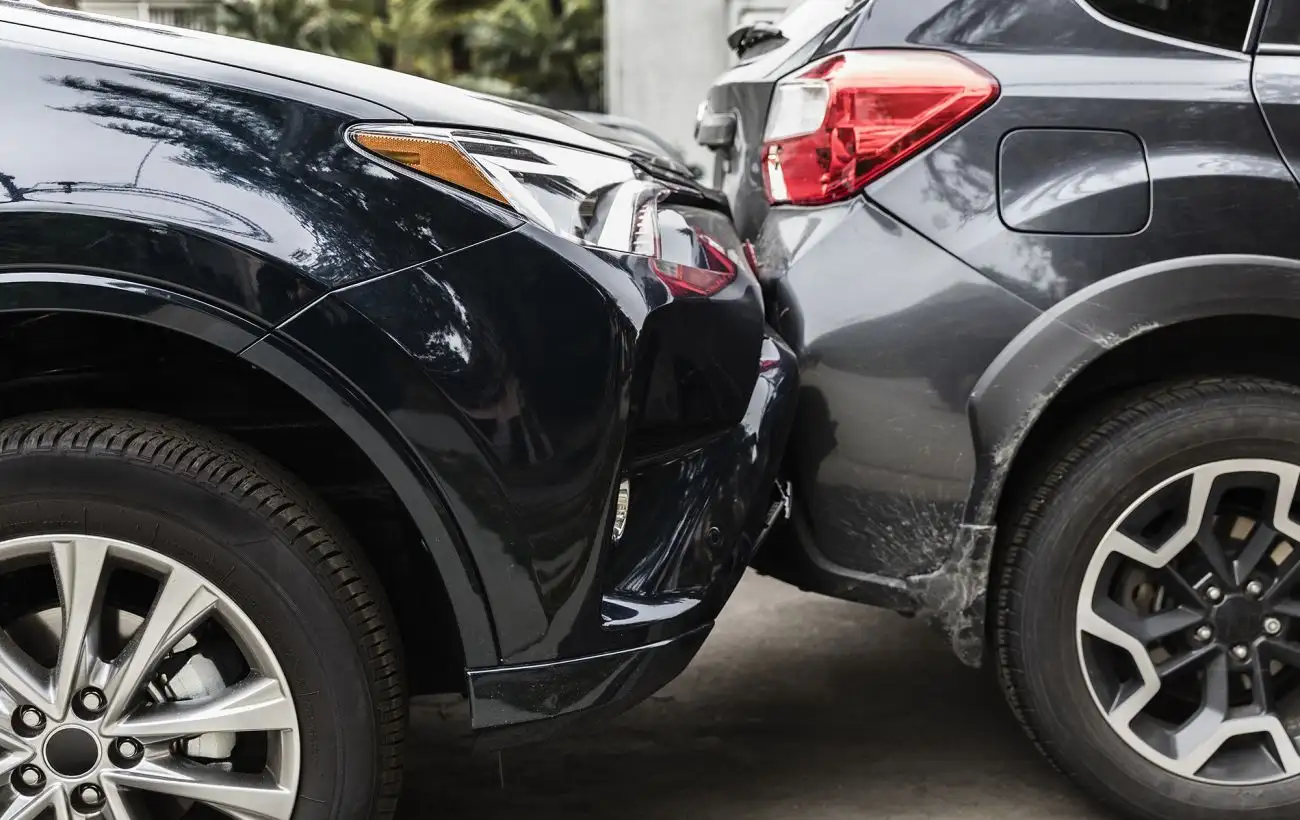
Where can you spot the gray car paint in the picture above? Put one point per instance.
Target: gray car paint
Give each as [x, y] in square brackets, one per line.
[934, 337]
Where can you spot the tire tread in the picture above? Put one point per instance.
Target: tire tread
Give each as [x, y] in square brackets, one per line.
[229, 469]
[1090, 440]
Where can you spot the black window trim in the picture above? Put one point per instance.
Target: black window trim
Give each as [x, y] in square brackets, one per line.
[1279, 48]
[1156, 36]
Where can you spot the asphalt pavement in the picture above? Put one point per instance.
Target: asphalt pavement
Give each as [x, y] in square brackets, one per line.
[797, 707]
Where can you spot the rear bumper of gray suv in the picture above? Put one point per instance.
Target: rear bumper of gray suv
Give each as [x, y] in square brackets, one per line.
[892, 334]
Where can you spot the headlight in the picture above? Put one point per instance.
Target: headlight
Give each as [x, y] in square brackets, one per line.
[589, 198]
[583, 196]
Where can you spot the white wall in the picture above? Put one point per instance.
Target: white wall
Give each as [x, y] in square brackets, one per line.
[661, 56]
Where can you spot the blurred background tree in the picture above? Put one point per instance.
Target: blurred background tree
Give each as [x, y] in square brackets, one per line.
[545, 51]
[553, 48]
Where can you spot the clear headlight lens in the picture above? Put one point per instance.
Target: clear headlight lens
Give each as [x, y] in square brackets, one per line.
[589, 198]
[583, 196]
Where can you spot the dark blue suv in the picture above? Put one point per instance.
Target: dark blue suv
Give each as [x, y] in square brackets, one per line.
[322, 386]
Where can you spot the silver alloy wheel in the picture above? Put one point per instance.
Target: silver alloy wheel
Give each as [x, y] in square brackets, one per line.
[1187, 629]
[112, 734]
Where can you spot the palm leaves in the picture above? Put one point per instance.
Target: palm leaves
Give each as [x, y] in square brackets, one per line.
[540, 50]
[553, 47]
[313, 25]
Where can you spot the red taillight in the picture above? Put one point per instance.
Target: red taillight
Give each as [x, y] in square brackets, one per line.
[689, 280]
[849, 118]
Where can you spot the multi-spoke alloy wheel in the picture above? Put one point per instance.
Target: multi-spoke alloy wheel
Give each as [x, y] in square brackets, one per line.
[185, 634]
[144, 681]
[1187, 624]
[1148, 603]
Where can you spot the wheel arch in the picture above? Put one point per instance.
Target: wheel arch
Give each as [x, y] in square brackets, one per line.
[238, 338]
[1155, 323]
[1067, 351]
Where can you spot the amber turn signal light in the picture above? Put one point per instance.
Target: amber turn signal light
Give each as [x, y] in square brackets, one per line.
[436, 158]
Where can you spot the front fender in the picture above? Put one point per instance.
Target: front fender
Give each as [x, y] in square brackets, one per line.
[242, 190]
[39, 291]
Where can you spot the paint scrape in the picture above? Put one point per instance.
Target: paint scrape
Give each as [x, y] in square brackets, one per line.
[953, 597]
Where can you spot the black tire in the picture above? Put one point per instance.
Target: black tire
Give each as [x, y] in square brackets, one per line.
[1048, 544]
[243, 523]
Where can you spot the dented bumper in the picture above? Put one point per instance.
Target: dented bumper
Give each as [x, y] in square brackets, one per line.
[672, 585]
[892, 335]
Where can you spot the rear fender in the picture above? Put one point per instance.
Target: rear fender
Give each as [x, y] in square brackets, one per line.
[1020, 385]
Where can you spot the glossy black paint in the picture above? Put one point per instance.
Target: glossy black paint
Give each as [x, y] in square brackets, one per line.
[223, 189]
[38, 290]
[523, 408]
[401, 96]
[935, 329]
[524, 703]
[673, 569]
[500, 379]
[677, 557]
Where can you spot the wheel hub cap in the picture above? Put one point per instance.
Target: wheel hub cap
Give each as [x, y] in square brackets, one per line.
[1238, 620]
[186, 702]
[72, 752]
[1188, 623]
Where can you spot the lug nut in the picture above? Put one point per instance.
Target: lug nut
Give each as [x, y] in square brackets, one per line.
[92, 700]
[1214, 593]
[91, 795]
[128, 748]
[30, 718]
[1254, 589]
[1240, 652]
[1204, 634]
[1272, 626]
[31, 777]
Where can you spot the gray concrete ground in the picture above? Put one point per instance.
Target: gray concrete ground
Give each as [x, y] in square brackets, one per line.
[798, 707]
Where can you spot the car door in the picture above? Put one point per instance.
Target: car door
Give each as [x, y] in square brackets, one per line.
[1276, 76]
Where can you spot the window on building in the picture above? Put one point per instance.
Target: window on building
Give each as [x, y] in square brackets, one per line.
[181, 16]
[1222, 23]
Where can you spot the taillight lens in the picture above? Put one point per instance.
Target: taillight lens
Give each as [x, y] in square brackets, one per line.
[846, 120]
[714, 271]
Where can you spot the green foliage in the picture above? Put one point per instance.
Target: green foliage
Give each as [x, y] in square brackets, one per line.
[552, 47]
[313, 25]
[548, 51]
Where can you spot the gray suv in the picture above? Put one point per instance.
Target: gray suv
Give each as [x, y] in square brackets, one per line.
[1040, 263]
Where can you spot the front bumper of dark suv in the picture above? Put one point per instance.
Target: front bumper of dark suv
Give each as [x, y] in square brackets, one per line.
[725, 491]
[532, 378]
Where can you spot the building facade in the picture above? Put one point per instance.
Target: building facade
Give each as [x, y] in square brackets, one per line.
[661, 56]
[197, 14]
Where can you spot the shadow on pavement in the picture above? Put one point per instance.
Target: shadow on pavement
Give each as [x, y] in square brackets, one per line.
[798, 707]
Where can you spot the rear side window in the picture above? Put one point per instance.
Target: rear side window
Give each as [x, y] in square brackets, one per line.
[1221, 23]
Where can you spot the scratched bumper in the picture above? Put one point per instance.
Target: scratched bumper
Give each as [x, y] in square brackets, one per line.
[695, 523]
[892, 334]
